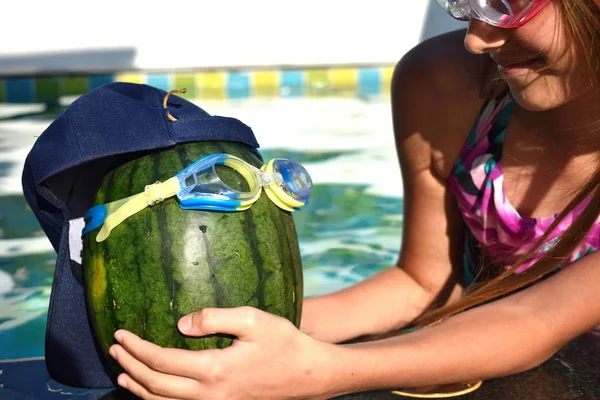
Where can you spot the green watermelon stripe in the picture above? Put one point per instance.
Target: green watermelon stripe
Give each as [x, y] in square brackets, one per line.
[166, 264]
[137, 256]
[184, 157]
[258, 261]
[108, 298]
[212, 276]
[273, 249]
[162, 288]
[171, 245]
[218, 288]
[115, 192]
[164, 240]
[218, 147]
[218, 291]
[285, 255]
[297, 273]
[127, 299]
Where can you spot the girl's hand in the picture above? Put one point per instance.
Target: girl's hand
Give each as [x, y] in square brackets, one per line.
[270, 359]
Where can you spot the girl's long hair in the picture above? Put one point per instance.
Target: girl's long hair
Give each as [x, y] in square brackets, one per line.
[581, 21]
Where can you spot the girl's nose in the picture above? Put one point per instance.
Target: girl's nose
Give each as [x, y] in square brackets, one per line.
[483, 38]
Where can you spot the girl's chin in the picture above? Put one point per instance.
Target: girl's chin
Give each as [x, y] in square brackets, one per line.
[537, 97]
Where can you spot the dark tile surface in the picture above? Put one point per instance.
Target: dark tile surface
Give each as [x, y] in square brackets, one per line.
[572, 374]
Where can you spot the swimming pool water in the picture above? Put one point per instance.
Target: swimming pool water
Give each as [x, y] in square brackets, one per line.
[350, 229]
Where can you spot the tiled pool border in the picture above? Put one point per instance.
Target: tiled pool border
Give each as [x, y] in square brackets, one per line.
[364, 81]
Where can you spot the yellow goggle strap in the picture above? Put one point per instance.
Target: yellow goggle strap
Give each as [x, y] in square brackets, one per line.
[152, 194]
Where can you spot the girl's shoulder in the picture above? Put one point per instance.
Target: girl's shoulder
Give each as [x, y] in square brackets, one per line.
[438, 89]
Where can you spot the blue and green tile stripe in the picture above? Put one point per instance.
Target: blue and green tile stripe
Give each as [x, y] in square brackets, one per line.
[225, 84]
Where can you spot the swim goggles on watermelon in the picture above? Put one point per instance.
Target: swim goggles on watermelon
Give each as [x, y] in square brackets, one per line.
[199, 187]
[501, 13]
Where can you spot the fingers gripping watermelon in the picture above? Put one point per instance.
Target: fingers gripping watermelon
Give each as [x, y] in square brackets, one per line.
[165, 262]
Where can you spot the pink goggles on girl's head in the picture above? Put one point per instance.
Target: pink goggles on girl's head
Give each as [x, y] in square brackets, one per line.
[501, 13]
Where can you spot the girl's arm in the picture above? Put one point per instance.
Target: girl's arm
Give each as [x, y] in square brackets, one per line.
[504, 337]
[270, 359]
[430, 84]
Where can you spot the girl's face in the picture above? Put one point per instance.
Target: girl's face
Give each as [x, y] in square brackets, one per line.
[540, 66]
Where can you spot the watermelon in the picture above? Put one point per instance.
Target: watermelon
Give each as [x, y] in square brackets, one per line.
[165, 262]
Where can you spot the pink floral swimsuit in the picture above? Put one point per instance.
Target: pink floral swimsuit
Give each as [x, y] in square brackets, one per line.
[493, 223]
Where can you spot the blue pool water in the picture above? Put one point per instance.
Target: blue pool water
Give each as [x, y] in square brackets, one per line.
[350, 230]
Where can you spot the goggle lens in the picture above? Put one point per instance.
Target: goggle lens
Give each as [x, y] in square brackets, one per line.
[216, 178]
[457, 9]
[501, 13]
[297, 182]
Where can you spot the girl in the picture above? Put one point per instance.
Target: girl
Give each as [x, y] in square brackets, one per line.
[501, 224]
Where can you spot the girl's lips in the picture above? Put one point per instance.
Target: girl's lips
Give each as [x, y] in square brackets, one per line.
[522, 67]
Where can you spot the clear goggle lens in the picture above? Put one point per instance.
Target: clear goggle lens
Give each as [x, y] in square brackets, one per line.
[501, 13]
[297, 180]
[201, 179]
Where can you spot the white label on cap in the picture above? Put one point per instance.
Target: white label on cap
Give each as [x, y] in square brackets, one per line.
[75, 241]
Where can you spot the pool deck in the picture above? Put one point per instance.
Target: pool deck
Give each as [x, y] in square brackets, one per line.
[571, 374]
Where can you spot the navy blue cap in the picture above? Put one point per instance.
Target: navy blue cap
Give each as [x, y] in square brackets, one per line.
[100, 130]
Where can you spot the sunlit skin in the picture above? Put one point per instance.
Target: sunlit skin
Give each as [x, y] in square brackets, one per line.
[552, 79]
[558, 107]
[265, 343]
[550, 147]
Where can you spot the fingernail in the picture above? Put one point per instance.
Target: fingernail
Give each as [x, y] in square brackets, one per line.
[113, 352]
[122, 382]
[118, 336]
[185, 323]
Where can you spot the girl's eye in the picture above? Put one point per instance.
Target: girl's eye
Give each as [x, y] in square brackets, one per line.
[501, 6]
